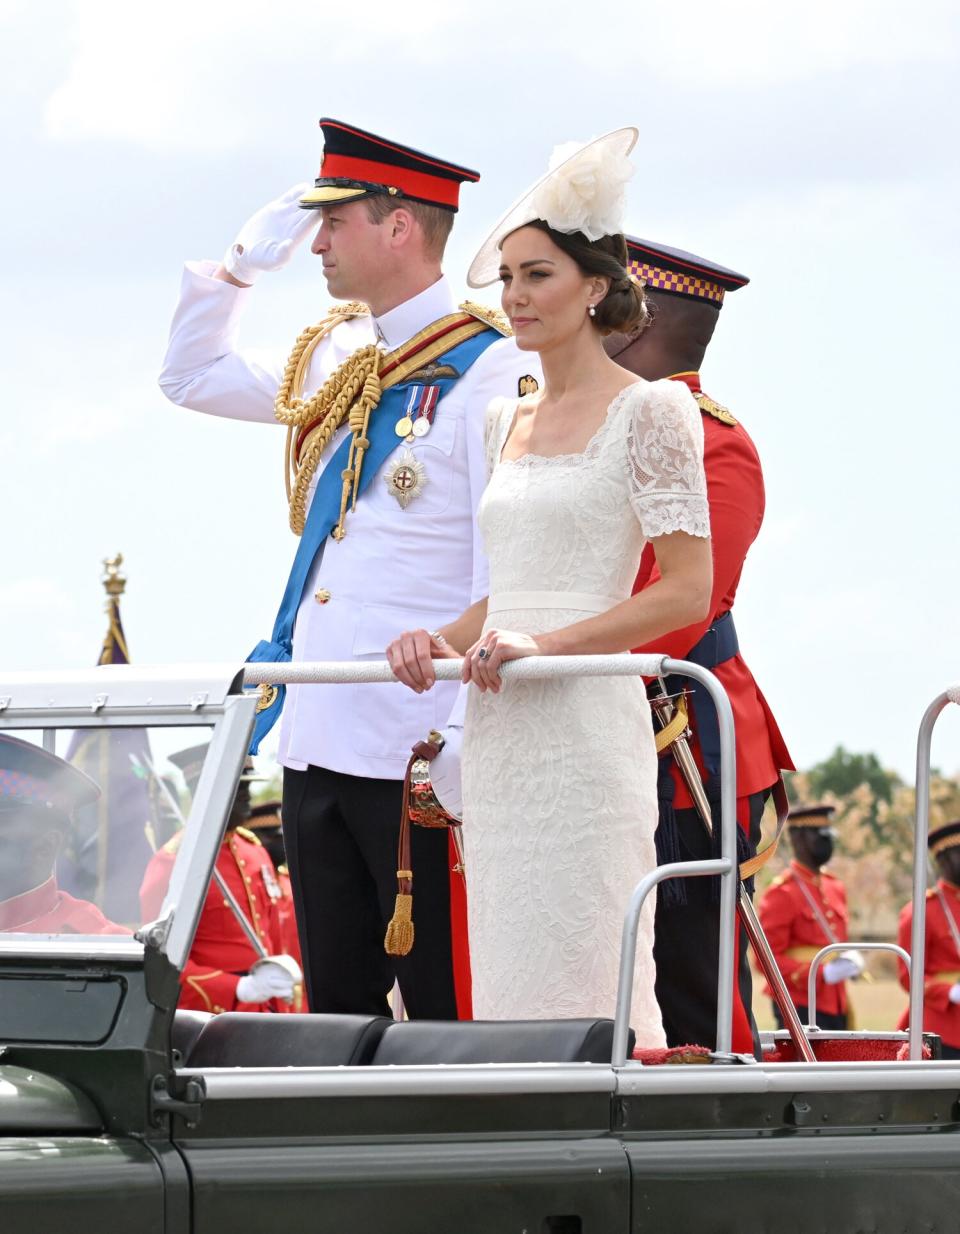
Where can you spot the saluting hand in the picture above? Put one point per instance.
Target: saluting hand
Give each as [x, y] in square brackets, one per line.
[268, 239]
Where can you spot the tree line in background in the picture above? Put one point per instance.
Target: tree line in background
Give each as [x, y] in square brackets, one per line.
[874, 824]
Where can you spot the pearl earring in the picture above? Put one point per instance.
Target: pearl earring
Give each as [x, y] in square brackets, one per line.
[592, 310]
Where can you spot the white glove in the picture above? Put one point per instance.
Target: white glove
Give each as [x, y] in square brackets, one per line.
[266, 241]
[954, 995]
[276, 976]
[445, 773]
[841, 969]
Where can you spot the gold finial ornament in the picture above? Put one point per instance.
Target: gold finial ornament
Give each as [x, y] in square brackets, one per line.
[114, 582]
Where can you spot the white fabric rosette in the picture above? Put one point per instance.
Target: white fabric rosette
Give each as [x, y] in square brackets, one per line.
[584, 190]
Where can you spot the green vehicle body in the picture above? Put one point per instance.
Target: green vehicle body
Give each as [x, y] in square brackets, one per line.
[102, 1128]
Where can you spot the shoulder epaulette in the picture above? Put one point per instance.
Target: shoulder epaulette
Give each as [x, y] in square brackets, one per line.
[353, 308]
[931, 892]
[283, 868]
[712, 408]
[489, 316]
[779, 880]
[174, 842]
[249, 835]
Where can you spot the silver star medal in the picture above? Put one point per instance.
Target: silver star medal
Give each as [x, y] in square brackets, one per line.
[406, 478]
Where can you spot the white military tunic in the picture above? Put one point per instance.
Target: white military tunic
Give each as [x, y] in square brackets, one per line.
[395, 569]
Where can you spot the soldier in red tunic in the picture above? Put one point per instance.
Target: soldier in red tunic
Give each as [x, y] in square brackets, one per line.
[805, 909]
[39, 794]
[224, 971]
[685, 294]
[264, 822]
[941, 957]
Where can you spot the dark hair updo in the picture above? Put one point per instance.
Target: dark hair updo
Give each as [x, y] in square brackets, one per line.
[623, 310]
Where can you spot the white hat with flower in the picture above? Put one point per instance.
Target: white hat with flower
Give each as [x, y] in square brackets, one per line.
[584, 190]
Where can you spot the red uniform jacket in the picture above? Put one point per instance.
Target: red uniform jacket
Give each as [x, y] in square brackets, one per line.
[221, 952]
[796, 935]
[941, 963]
[736, 497]
[48, 910]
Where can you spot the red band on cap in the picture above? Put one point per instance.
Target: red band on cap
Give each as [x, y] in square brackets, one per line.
[414, 183]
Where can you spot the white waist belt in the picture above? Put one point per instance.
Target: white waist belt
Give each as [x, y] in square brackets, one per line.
[580, 601]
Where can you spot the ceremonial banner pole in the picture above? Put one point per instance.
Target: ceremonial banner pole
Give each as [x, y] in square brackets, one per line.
[680, 747]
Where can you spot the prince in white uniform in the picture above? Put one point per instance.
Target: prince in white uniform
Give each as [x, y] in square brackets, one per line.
[405, 555]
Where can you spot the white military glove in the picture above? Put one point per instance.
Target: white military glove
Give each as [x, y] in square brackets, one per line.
[445, 772]
[954, 994]
[275, 976]
[843, 968]
[267, 240]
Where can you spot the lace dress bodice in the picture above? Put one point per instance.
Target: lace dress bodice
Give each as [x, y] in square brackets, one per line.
[578, 522]
[559, 775]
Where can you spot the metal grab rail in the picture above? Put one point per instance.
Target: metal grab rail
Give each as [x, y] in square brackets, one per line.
[831, 947]
[338, 672]
[532, 668]
[628, 947]
[921, 831]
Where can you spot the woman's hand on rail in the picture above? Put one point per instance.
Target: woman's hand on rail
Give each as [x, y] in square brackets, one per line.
[411, 657]
[481, 663]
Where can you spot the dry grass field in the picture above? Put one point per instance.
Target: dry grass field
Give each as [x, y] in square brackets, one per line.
[877, 1004]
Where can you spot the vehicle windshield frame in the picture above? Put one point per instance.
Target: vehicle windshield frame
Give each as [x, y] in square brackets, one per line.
[119, 696]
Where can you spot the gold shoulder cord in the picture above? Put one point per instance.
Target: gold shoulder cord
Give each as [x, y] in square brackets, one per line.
[332, 403]
[350, 393]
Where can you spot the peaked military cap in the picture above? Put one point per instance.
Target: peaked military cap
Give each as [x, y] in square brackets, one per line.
[190, 762]
[946, 836]
[30, 775]
[680, 274]
[358, 164]
[816, 815]
[265, 814]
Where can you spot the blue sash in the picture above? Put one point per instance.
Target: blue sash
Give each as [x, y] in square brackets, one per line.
[325, 511]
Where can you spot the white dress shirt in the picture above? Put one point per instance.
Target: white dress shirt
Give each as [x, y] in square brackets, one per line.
[396, 569]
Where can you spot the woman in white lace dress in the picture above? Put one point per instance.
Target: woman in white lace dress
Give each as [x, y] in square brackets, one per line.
[559, 776]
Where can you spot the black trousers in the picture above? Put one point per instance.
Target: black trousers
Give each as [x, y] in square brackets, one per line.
[340, 834]
[686, 944]
[825, 1019]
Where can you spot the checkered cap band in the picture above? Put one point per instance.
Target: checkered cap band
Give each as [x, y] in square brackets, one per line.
[20, 786]
[670, 280]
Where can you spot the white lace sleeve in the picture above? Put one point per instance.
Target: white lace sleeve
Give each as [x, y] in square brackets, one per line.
[668, 488]
[499, 417]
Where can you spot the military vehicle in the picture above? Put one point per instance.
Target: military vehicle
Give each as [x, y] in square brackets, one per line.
[120, 1114]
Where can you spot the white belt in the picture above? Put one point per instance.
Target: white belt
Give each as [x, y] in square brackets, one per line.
[578, 601]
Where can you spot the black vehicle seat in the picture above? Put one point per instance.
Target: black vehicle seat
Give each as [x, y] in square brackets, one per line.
[186, 1028]
[492, 1041]
[265, 1039]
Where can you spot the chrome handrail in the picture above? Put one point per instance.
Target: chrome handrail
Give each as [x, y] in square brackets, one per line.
[539, 667]
[831, 947]
[921, 832]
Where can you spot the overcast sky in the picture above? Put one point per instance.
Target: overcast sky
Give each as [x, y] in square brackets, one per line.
[813, 146]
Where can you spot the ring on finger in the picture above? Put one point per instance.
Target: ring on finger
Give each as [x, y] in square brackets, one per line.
[483, 654]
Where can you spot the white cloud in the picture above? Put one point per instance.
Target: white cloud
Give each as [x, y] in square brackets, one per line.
[223, 73]
[28, 595]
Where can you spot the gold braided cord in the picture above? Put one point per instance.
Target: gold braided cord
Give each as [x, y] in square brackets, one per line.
[346, 394]
[351, 393]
